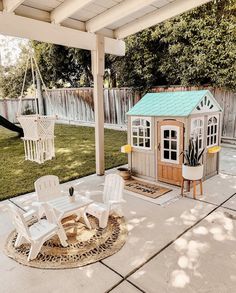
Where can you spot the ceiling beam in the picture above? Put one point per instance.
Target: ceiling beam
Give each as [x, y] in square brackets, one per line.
[166, 12]
[23, 27]
[11, 5]
[34, 13]
[116, 13]
[67, 8]
[45, 16]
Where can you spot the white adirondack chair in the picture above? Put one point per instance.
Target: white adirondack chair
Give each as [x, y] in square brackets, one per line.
[112, 198]
[36, 234]
[47, 188]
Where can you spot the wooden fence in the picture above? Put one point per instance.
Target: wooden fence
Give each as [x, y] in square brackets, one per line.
[9, 108]
[77, 105]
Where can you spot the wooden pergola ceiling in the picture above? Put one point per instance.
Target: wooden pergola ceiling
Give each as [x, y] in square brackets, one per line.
[74, 22]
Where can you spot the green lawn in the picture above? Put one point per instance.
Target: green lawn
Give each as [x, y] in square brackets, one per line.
[75, 158]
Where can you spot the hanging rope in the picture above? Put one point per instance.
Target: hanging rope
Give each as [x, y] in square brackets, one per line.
[32, 60]
[23, 86]
[38, 129]
[34, 84]
[40, 76]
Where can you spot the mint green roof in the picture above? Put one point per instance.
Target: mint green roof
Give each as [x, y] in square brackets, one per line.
[180, 103]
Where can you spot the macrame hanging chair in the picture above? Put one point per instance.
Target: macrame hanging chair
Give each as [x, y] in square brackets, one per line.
[38, 129]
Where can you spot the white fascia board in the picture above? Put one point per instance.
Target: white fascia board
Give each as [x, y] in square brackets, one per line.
[67, 8]
[24, 27]
[116, 13]
[166, 12]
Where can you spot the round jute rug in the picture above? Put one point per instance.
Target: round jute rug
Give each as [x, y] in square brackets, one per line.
[85, 246]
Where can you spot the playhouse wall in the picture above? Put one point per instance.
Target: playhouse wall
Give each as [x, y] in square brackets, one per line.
[144, 162]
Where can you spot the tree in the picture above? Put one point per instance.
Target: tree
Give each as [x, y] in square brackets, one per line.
[200, 46]
[59, 66]
[13, 66]
[63, 66]
[193, 49]
[139, 67]
[11, 77]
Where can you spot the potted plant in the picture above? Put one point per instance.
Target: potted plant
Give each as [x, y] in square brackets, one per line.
[124, 173]
[192, 169]
[71, 194]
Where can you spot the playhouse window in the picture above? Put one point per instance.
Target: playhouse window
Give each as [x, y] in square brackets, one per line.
[141, 133]
[197, 130]
[212, 131]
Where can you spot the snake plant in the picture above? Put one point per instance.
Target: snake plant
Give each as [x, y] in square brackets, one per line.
[193, 155]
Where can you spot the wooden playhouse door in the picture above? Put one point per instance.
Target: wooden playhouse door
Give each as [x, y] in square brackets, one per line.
[170, 145]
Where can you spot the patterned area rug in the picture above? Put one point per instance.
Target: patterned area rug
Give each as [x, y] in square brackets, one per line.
[85, 246]
[144, 188]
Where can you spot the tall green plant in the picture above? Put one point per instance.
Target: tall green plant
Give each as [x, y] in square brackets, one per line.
[193, 155]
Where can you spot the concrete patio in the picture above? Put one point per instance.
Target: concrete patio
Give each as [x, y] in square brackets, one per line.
[175, 244]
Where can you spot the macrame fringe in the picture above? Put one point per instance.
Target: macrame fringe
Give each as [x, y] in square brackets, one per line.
[38, 137]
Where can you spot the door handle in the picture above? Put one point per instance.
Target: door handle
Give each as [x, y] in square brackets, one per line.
[159, 146]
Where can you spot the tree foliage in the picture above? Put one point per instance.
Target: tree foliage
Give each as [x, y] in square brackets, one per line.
[200, 46]
[11, 76]
[195, 48]
[61, 66]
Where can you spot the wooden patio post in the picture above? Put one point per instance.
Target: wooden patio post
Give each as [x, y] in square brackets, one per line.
[98, 64]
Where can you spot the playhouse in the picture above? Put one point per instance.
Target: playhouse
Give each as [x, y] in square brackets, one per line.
[160, 126]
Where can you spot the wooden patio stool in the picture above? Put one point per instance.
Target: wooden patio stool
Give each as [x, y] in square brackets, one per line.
[194, 186]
